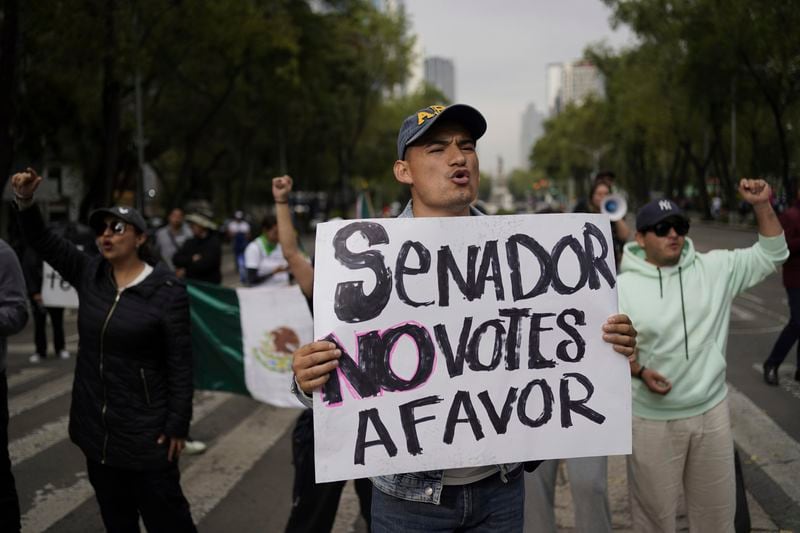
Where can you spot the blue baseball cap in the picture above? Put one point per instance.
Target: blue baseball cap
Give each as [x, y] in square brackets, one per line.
[656, 211]
[415, 126]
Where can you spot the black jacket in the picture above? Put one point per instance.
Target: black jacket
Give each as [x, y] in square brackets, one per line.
[133, 374]
[208, 264]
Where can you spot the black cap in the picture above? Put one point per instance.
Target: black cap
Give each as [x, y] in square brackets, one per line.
[656, 211]
[417, 124]
[124, 213]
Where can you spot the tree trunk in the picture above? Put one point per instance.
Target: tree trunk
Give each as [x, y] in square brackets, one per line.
[101, 188]
[9, 35]
[673, 172]
[700, 168]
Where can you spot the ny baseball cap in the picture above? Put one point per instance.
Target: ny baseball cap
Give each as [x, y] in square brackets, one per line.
[124, 213]
[415, 126]
[656, 211]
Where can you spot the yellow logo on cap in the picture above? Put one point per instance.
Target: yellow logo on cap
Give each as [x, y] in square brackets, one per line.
[422, 116]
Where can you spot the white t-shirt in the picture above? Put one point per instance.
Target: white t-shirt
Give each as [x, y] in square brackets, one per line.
[256, 256]
[238, 226]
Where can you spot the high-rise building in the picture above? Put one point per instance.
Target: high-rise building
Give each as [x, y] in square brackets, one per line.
[530, 131]
[572, 83]
[441, 73]
[554, 88]
[580, 80]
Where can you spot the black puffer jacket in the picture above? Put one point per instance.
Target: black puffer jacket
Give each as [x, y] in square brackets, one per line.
[133, 374]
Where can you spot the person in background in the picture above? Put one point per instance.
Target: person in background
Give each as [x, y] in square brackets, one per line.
[132, 393]
[238, 231]
[263, 258]
[620, 232]
[582, 205]
[314, 505]
[200, 258]
[790, 221]
[680, 301]
[13, 316]
[33, 269]
[171, 237]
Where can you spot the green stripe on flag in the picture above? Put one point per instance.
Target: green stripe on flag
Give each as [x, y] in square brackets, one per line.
[216, 338]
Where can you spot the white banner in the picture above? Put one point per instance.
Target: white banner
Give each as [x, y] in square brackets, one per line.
[467, 341]
[275, 322]
[56, 292]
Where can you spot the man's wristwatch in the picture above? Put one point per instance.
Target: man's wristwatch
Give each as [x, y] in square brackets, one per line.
[640, 372]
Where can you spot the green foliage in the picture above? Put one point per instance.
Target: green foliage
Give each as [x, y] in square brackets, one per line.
[234, 92]
[665, 124]
[485, 187]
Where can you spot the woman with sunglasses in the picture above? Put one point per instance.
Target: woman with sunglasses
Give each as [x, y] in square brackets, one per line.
[132, 394]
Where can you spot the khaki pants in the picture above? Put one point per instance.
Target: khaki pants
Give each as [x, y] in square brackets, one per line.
[690, 456]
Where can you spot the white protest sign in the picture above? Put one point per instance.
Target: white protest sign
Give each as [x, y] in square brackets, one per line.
[56, 292]
[467, 341]
[275, 322]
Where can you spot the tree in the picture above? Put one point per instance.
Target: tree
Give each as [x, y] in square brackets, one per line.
[233, 92]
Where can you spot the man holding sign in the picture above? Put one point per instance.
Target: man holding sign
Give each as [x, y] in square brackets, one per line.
[437, 159]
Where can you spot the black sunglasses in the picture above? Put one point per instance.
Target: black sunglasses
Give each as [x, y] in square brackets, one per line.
[662, 228]
[117, 227]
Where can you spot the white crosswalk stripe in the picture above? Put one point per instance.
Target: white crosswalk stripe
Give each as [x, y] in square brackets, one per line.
[209, 479]
[25, 375]
[740, 313]
[42, 438]
[765, 443]
[51, 505]
[52, 433]
[36, 397]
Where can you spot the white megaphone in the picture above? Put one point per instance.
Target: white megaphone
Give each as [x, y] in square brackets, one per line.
[615, 206]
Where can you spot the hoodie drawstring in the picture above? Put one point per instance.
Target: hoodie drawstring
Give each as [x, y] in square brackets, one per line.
[683, 313]
[683, 307]
[660, 285]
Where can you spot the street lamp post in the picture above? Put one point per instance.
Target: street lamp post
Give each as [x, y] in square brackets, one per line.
[595, 153]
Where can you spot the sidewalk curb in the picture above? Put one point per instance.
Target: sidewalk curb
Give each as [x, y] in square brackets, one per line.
[770, 459]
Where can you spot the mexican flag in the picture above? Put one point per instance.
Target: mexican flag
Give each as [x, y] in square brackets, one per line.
[243, 339]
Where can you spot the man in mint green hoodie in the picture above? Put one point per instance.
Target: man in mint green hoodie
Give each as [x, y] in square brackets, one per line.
[679, 301]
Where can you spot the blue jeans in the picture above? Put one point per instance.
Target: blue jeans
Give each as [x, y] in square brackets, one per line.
[790, 333]
[489, 505]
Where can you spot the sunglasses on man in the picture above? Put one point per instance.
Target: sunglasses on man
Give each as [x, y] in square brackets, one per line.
[117, 227]
[661, 229]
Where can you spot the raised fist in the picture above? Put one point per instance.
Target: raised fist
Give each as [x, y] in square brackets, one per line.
[25, 183]
[281, 187]
[755, 191]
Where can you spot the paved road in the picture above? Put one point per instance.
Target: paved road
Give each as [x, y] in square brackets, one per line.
[243, 482]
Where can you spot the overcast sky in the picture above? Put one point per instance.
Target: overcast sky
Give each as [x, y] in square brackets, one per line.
[501, 48]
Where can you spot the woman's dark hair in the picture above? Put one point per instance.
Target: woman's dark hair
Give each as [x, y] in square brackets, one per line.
[145, 251]
[598, 183]
[595, 185]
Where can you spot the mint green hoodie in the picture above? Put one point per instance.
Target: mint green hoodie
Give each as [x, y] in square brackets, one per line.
[682, 315]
